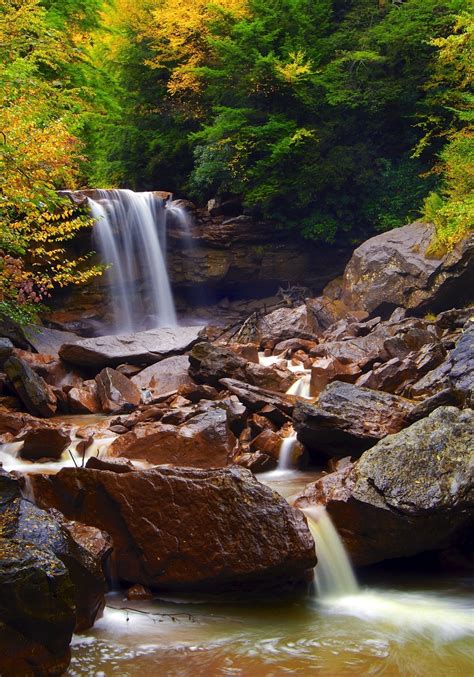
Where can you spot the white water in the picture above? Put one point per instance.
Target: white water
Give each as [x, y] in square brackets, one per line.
[301, 387]
[285, 459]
[130, 235]
[333, 574]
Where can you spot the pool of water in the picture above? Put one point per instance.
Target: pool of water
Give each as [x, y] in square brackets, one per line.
[398, 631]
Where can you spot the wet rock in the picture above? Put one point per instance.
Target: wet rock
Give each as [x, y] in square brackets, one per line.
[48, 341]
[257, 399]
[142, 348]
[203, 441]
[286, 323]
[43, 442]
[139, 592]
[195, 393]
[12, 422]
[116, 392]
[119, 465]
[348, 419]
[392, 269]
[410, 493]
[165, 377]
[37, 610]
[51, 369]
[248, 351]
[324, 370]
[84, 400]
[256, 461]
[268, 442]
[211, 363]
[32, 390]
[185, 527]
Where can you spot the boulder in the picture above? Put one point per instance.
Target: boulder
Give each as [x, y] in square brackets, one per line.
[348, 419]
[410, 493]
[186, 527]
[21, 520]
[43, 441]
[285, 323]
[48, 341]
[142, 348]
[165, 377]
[210, 363]
[257, 399]
[6, 350]
[392, 269]
[85, 399]
[37, 610]
[324, 370]
[116, 392]
[32, 390]
[202, 441]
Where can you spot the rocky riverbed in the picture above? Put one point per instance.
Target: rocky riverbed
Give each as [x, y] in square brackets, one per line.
[137, 458]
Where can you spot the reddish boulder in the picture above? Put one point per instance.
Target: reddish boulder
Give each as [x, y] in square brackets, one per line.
[33, 391]
[43, 442]
[84, 400]
[116, 392]
[325, 370]
[203, 441]
[186, 527]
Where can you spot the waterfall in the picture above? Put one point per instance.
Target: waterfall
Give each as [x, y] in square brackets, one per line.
[285, 459]
[334, 576]
[130, 236]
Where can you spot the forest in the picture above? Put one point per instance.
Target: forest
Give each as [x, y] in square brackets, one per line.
[334, 119]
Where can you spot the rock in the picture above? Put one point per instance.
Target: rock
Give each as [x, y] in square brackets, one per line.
[139, 592]
[210, 363]
[84, 400]
[461, 375]
[203, 441]
[37, 610]
[12, 422]
[35, 394]
[48, 341]
[195, 393]
[290, 346]
[116, 392]
[43, 442]
[392, 269]
[257, 399]
[165, 377]
[185, 527]
[119, 465]
[256, 462]
[21, 520]
[327, 369]
[268, 442]
[324, 312]
[51, 369]
[285, 323]
[6, 350]
[248, 351]
[410, 493]
[142, 348]
[348, 419]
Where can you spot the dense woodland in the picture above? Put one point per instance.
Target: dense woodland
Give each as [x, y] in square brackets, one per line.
[333, 118]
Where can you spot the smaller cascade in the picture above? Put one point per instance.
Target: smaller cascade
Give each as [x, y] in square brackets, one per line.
[301, 387]
[333, 575]
[285, 459]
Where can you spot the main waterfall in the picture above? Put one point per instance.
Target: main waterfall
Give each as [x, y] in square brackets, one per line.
[130, 236]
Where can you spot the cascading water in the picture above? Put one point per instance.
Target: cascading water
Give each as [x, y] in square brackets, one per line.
[301, 387]
[333, 574]
[130, 236]
[285, 459]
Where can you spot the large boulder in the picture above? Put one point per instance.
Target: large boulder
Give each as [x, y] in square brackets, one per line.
[392, 269]
[43, 441]
[116, 392]
[142, 348]
[210, 363]
[184, 527]
[202, 441]
[32, 390]
[286, 323]
[21, 520]
[165, 377]
[37, 611]
[348, 419]
[411, 492]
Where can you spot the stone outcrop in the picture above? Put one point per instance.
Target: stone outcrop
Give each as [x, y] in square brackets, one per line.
[392, 269]
[202, 441]
[143, 348]
[411, 492]
[348, 419]
[186, 528]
